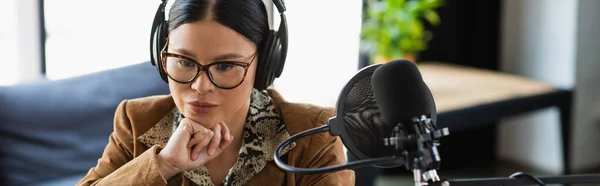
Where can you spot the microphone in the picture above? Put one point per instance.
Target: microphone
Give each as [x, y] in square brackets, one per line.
[406, 104]
[385, 117]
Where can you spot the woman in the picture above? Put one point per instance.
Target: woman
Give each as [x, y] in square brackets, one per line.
[215, 128]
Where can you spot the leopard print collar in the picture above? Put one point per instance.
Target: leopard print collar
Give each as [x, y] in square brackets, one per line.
[263, 132]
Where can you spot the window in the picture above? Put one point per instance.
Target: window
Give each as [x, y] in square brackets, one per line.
[90, 36]
[323, 49]
[8, 62]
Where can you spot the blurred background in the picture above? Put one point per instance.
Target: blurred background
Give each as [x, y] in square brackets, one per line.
[516, 81]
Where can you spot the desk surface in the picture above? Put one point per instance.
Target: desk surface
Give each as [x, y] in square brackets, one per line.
[457, 87]
[467, 97]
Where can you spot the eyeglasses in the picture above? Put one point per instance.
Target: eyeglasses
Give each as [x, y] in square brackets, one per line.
[223, 74]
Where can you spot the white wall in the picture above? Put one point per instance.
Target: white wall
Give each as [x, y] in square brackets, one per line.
[587, 101]
[322, 57]
[538, 41]
[554, 41]
[8, 42]
[323, 49]
[96, 35]
[28, 42]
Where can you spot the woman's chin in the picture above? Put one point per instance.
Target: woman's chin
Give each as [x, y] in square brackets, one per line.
[205, 120]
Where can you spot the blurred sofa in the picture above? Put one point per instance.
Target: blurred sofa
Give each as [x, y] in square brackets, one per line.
[53, 132]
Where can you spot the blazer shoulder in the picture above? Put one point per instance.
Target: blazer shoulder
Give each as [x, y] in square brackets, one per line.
[299, 117]
[149, 104]
[143, 113]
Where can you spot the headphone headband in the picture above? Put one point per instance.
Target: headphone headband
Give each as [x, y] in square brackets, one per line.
[280, 5]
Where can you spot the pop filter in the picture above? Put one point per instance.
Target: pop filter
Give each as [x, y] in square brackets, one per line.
[363, 114]
[361, 126]
[359, 122]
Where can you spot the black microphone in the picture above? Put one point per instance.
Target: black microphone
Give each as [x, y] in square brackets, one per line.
[407, 104]
[377, 134]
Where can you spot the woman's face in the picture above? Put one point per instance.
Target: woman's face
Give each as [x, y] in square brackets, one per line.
[207, 41]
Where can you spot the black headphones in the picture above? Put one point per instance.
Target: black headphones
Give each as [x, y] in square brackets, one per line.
[272, 54]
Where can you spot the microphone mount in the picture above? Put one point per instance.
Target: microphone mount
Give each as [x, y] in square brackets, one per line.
[417, 142]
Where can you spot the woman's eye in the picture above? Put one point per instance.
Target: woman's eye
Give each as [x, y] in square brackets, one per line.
[224, 67]
[186, 63]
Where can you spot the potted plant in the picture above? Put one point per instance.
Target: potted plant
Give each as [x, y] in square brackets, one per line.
[394, 29]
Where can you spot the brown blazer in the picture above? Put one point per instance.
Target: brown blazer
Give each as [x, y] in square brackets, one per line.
[127, 161]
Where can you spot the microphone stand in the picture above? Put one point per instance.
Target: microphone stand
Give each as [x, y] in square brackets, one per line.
[421, 156]
[418, 152]
[419, 148]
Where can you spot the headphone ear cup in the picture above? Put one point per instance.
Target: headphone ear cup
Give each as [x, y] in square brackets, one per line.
[263, 72]
[270, 65]
[159, 41]
[274, 60]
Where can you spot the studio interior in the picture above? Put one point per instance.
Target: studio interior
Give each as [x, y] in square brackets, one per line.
[515, 82]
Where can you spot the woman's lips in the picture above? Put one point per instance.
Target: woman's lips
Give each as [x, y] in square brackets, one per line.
[202, 107]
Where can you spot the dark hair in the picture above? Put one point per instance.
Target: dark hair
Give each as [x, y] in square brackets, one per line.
[246, 17]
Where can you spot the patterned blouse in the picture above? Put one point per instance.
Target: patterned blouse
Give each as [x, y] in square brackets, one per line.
[263, 132]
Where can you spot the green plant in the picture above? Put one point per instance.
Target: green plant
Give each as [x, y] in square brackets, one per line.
[393, 29]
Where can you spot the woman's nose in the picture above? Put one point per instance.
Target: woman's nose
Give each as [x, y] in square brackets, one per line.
[202, 84]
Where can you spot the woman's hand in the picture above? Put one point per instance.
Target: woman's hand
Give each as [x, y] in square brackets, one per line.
[191, 146]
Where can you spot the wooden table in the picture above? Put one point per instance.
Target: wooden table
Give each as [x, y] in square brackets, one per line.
[468, 97]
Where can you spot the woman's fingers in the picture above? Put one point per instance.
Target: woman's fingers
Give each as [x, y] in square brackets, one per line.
[227, 137]
[198, 137]
[202, 145]
[216, 140]
[209, 141]
[225, 132]
[196, 131]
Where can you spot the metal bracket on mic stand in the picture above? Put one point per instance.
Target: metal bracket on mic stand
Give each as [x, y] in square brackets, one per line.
[419, 148]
